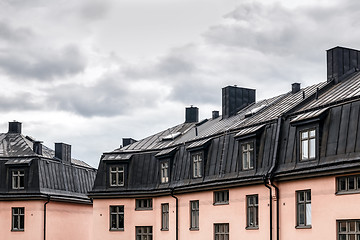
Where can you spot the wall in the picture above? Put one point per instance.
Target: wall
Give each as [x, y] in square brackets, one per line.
[64, 220]
[326, 208]
[234, 213]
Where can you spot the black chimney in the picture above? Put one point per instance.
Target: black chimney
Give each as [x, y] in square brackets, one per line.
[14, 127]
[295, 87]
[236, 98]
[341, 62]
[63, 152]
[128, 141]
[215, 114]
[191, 114]
[37, 147]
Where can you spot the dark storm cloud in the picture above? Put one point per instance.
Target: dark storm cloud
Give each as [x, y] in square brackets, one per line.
[9, 33]
[42, 63]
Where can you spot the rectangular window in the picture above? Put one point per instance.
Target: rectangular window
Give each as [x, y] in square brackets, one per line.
[18, 219]
[194, 215]
[197, 165]
[348, 229]
[117, 176]
[144, 233]
[348, 184]
[308, 144]
[247, 153]
[165, 216]
[303, 208]
[164, 172]
[221, 197]
[221, 231]
[252, 211]
[18, 179]
[143, 204]
[117, 218]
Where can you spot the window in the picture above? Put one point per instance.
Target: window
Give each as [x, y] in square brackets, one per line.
[144, 233]
[197, 165]
[252, 211]
[348, 184]
[221, 197]
[18, 219]
[18, 179]
[303, 208]
[117, 218]
[247, 153]
[308, 144]
[348, 229]
[165, 216]
[194, 215]
[164, 172]
[221, 231]
[117, 176]
[144, 204]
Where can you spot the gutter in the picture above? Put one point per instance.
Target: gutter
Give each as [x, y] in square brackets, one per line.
[177, 214]
[48, 200]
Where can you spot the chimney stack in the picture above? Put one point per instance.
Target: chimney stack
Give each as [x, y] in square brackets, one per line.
[191, 114]
[236, 98]
[37, 147]
[128, 141]
[215, 114]
[63, 152]
[295, 87]
[341, 62]
[14, 127]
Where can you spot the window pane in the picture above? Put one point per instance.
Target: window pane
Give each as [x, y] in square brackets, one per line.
[251, 160]
[351, 183]
[304, 135]
[304, 149]
[352, 237]
[342, 237]
[352, 226]
[301, 196]
[342, 226]
[245, 160]
[312, 148]
[301, 214]
[342, 184]
[312, 133]
[308, 214]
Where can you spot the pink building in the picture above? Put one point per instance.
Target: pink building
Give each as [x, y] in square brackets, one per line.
[287, 167]
[42, 192]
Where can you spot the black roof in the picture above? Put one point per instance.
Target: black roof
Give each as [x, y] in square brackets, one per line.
[45, 175]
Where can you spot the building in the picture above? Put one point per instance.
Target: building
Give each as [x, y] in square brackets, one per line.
[43, 193]
[287, 167]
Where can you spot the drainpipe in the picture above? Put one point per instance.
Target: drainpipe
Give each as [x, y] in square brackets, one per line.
[270, 199]
[48, 200]
[176, 213]
[270, 176]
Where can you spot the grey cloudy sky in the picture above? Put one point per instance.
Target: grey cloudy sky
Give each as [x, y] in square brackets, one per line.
[90, 72]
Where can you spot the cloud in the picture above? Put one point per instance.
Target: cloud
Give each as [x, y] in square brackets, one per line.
[94, 9]
[11, 34]
[41, 63]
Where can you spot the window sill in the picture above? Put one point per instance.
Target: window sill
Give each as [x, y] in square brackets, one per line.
[143, 209]
[347, 192]
[194, 229]
[252, 228]
[220, 203]
[116, 230]
[17, 230]
[164, 229]
[303, 227]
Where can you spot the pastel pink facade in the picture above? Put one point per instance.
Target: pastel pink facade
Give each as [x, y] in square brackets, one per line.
[63, 220]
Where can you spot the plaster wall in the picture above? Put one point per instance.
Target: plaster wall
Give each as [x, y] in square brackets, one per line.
[326, 208]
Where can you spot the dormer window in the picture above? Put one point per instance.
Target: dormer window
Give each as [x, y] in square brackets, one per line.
[197, 161]
[247, 153]
[117, 176]
[308, 144]
[164, 171]
[18, 179]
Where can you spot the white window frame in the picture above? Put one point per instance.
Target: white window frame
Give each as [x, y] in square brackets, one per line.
[18, 179]
[164, 171]
[308, 144]
[119, 172]
[303, 208]
[248, 155]
[117, 213]
[197, 164]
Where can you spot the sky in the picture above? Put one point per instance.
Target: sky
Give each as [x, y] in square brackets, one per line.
[91, 72]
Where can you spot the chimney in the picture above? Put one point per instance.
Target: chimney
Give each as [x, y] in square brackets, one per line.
[341, 62]
[295, 87]
[63, 152]
[14, 127]
[215, 114]
[191, 114]
[236, 98]
[128, 141]
[37, 147]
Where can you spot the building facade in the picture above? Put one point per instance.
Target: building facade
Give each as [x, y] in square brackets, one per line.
[43, 193]
[287, 167]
